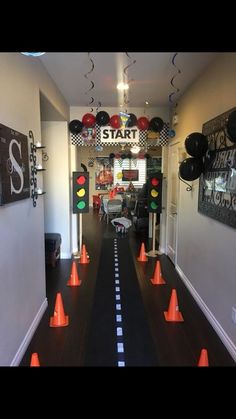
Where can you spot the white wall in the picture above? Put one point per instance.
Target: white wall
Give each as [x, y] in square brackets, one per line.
[56, 183]
[206, 248]
[22, 261]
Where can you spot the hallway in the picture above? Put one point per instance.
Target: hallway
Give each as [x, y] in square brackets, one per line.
[144, 337]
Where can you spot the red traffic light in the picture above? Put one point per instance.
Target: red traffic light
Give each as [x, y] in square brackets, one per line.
[81, 180]
[154, 181]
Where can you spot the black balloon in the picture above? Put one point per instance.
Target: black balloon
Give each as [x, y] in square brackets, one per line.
[191, 168]
[231, 127]
[111, 155]
[156, 124]
[75, 126]
[102, 118]
[132, 120]
[123, 156]
[196, 144]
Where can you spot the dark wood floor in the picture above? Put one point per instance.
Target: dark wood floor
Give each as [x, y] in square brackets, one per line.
[175, 344]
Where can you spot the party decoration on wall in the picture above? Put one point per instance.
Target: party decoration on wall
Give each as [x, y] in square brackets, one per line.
[151, 135]
[191, 168]
[171, 133]
[196, 144]
[89, 135]
[173, 78]
[104, 173]
[89, 120]
[92, 83]
[124, 119]
[75, 126]
[102, 118]
[115, 121]
[143, 123]
[98, 148]
[132, 121]
[160, 139]
[156, 124]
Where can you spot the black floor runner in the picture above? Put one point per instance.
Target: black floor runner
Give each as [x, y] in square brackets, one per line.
[102, 345]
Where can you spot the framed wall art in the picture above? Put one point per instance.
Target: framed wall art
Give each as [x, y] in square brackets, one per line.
[217, 186]
[14, 166]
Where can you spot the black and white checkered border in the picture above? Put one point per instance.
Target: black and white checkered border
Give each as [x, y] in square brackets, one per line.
[77, 139]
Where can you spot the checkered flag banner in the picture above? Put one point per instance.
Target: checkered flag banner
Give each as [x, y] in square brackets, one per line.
[77, 139]
[164, 135]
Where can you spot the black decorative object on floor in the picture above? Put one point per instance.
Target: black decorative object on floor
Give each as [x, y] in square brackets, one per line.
[102, 340]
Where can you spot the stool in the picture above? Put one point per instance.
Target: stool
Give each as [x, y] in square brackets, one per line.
[52, 248]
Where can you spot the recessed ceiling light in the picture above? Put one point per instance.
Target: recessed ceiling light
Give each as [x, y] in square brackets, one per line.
[122, 86]
[146, 102]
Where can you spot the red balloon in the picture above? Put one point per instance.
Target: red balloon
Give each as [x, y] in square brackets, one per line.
[115, 121]
[143, 123]
[88, 120]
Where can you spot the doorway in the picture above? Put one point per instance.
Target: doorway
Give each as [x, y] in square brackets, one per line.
[55, 176]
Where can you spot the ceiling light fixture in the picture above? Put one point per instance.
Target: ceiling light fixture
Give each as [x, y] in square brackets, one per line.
[135, 149]
[122, 86]
[33, 54]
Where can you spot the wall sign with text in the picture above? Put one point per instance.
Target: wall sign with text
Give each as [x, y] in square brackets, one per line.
[14, 166]
[122, 135]
[217, 187]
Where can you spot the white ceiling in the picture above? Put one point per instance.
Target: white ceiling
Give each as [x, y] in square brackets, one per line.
[150, 77]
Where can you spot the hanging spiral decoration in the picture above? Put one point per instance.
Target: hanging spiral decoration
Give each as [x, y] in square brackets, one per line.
[126, 101]
[99, 106]
[92, 83]
[173, 78]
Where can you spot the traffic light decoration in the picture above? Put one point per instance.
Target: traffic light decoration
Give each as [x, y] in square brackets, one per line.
[154, 185]
[80, 192]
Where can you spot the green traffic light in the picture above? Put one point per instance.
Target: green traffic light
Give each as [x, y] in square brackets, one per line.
[153, 205]
[81, 205]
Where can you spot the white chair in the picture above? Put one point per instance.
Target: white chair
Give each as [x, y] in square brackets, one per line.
[114, 207]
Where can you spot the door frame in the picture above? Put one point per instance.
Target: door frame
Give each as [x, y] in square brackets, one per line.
[174, 143]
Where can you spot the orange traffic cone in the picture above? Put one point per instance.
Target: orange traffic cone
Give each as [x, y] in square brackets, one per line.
[84, 257]
[157, 279]
[59, 318]
[74, 280]
[173, 314]
[203, 360]
[34, 360]
[142, 256]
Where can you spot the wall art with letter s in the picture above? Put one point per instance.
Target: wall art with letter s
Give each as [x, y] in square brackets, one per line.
[14, 166]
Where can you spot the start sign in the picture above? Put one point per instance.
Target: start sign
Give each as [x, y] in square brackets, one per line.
[111, 135]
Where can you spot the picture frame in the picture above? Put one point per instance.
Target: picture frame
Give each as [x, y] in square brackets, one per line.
[217, 184]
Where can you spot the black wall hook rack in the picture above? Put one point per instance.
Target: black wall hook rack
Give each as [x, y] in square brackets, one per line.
[34, 169]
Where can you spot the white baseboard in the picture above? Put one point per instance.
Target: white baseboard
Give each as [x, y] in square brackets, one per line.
[215, 324]
[65, 255]
[25, 343]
